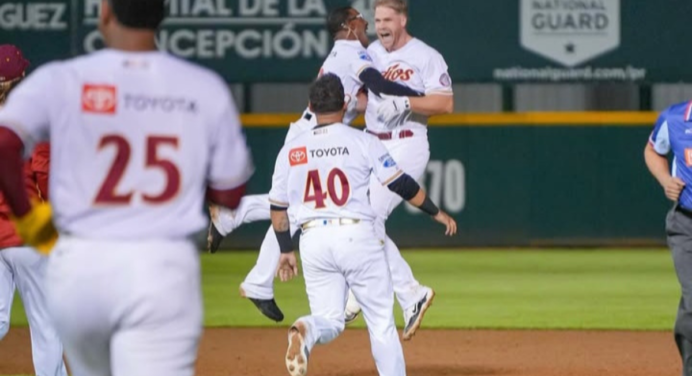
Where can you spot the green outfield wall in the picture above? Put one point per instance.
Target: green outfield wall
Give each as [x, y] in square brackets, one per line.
[482, 40]
[515, 180]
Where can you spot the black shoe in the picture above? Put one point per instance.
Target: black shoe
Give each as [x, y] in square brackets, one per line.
[214, 238]
[268, 308]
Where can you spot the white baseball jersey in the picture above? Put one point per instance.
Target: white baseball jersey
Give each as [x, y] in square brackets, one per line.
[347, 60]
[325, 173]
[136, 139]
[415, 65]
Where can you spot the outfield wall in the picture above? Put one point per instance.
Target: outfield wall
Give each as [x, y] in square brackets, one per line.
[530, 179]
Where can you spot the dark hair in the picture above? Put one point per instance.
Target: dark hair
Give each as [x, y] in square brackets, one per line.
[327, 94]
[139, 14]
[336, 19]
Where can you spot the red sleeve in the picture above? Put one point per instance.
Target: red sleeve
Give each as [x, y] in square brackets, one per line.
[30, 181]
[40, 165]
[12, 183]
[229, 198]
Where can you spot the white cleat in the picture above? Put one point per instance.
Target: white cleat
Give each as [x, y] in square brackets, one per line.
[414, 315]
[352, 310]
[297, 354]
[350, 317]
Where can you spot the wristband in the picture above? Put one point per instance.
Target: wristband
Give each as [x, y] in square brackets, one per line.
[429, 207]
[285, 242]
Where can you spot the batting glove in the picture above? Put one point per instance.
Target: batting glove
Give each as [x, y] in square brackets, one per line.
[351, 103]
[392, 108]
[36, 228]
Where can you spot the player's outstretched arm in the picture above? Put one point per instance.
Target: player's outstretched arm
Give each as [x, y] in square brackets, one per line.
[376, 83]
[388, 173]
[288, 266]
[406, 187]
[433, 104]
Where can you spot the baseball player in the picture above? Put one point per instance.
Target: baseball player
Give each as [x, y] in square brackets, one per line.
[671, 136]
[324, 174]
[137, 138]
[350, 61]
[401, 124]
[22, 267]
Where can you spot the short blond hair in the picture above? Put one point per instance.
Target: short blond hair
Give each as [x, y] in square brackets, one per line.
[399, 6]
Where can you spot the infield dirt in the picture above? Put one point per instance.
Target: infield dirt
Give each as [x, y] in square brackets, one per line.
[260, 352]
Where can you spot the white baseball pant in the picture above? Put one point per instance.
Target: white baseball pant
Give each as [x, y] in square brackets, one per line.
[334, 259]
[24, 268]
[252, 208]
[259, 283]
[412, 155]
[126, 308]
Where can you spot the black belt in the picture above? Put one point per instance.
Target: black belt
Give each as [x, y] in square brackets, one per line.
[684, 210]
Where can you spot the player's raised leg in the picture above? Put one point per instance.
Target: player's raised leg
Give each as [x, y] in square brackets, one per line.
[258, 285]
[46, 347]
[252, 208]
[413, 297]
[326, 289]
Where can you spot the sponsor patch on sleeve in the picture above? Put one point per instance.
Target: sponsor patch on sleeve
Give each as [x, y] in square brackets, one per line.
[387, 161]
[364, 56]
[445, 80]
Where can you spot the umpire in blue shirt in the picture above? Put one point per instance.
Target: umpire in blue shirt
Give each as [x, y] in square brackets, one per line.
[673, 132]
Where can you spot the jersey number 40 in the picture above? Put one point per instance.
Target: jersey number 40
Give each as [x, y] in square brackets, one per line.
[314, 191]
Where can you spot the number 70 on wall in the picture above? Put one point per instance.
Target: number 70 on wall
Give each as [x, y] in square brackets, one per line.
[445, 183]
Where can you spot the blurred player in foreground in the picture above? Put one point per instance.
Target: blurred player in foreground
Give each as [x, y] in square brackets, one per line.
[329, 195]
[137, 138]
[22, 267]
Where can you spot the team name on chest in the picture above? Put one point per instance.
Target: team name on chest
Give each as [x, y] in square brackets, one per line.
[397, 72]
[329, 152]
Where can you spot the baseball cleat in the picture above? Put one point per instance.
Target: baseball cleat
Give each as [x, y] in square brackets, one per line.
[352, 308]
[350, 317]
[297, 354]
[267, 307]
[414, 315]
[214, 238]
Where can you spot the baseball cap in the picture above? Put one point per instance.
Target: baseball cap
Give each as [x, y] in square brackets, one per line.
[12, 63]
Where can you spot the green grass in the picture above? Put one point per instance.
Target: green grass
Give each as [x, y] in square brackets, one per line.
[559, 289]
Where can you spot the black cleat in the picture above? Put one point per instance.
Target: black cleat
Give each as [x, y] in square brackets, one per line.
[414, 316]
[268, 308]
[214, 238]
